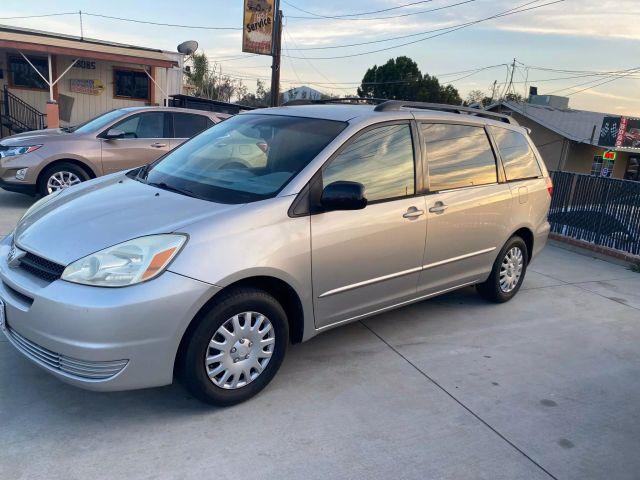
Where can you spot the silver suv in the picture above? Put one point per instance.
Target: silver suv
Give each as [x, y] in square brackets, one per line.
[266, 229]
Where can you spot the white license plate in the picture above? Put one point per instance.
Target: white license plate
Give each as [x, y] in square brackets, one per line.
[2, 316]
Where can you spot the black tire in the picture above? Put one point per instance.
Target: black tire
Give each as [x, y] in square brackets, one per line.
[193, 370]
[491, 289]
[80, 172]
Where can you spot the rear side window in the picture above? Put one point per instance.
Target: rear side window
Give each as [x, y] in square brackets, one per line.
[517, 157]
[143, 125]
[381, 159]
[458, 156]
[187, 125]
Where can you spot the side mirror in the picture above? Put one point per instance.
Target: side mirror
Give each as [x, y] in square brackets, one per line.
[343, 196]
[113, 134]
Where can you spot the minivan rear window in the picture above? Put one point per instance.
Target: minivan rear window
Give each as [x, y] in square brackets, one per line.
[458, 156]
[517, 157]
[246, 158]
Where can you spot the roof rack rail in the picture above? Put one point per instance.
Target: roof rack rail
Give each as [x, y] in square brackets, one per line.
[394, 105]
[350, 100]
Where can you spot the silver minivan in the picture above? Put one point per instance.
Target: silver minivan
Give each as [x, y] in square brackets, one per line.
[266, 229]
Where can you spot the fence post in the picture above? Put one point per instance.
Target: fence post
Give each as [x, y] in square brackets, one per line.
[603, 212]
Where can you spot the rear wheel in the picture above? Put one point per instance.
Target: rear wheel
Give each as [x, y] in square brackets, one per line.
[507, 273]
[60, 176]
[237, 347]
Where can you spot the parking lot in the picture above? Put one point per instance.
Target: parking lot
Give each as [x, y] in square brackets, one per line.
[545, 386]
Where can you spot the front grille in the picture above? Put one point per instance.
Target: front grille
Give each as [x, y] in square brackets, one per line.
[80, 369]
[41, 267]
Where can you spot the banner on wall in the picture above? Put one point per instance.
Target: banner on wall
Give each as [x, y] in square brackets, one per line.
[258, 31]
[628, 133]
[89, 87]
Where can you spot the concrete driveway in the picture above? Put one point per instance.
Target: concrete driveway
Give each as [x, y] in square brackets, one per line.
[545, 386]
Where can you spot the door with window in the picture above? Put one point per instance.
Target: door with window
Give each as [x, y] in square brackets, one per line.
[365, 260]
[467, 209]
[187, 125]
[146, 138]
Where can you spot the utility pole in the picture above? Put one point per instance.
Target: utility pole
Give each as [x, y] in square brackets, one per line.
[275, 63]
[493, 90]
[513, 69]
[81, 28]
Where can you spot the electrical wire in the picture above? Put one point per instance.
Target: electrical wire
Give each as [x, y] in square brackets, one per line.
[325, 17]
[39, 16]
[453, 28]
[175, 25]
[361, 13]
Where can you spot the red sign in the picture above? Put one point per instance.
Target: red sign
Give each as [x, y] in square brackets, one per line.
[609, 155]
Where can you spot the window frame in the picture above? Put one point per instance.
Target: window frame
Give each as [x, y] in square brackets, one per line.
[500, 175]
[496, 151]
[10, 82]
[307, 201]
[117, 69]
[167, 124]
[173, 123]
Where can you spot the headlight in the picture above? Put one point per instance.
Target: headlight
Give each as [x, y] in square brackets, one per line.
[39, 204]
[13, 151]
[127, 263]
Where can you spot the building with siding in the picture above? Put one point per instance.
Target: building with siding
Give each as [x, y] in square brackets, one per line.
[575, 140]
[50, 80]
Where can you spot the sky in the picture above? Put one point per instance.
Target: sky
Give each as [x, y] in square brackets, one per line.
[579, 37]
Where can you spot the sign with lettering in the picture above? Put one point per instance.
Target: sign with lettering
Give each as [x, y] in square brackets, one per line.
[629, 133]
[89, 87]
[85, 64]
[258, 30]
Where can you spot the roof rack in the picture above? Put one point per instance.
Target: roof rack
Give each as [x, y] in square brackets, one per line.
[350, 100]
[394, 105]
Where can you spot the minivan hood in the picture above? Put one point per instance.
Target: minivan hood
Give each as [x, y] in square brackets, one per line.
[104, 212]
[35, 136]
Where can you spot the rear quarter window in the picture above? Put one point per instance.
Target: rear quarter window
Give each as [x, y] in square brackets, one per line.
[517, 157]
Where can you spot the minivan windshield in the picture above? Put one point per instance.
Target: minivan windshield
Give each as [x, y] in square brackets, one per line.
[99, 122]
[246, 158]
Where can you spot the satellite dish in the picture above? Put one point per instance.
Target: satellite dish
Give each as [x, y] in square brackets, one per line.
[188, 47]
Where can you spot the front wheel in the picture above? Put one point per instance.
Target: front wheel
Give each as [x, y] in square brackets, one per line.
[507, 273]
[237, 347]
[60, 176]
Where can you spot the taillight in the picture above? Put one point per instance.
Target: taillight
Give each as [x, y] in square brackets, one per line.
[264, 146]
[549, 186]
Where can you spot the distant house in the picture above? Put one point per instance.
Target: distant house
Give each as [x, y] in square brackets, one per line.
[578, 140]
[49, 79]
[302, 93]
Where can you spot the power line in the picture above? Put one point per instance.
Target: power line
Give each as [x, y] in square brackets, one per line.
[358, 14]
[342, 17]
[39, 16]
[175, 25]
[453, 28]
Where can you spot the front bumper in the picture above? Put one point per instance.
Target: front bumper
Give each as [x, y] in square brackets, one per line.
[100, 338]
[18, 187]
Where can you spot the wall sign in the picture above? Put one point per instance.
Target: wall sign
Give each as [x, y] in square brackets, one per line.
[609, 131]
[89, 87]
[85, 64]
[258, 26]
[629, 133]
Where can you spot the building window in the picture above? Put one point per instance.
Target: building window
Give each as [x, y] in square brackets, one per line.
[601, 167]
[22, 75]
[633, 169]
[131, 84]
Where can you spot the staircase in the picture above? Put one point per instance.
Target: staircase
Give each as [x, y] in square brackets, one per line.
[17, 116]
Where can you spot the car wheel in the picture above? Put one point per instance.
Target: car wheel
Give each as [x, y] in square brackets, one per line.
[237, 347]
[507, 273]
[61, 176]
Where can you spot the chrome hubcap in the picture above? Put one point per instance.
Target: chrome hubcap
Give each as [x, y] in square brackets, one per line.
[240, 350]
[62, 180]
[511, 269]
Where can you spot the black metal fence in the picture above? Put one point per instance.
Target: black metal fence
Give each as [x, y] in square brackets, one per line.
[602, 211]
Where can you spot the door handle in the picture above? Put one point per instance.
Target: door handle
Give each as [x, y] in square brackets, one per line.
[438, 207]
[158, 145]
[413, 212]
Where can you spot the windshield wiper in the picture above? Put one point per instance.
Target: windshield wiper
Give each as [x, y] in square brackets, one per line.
[170, 188]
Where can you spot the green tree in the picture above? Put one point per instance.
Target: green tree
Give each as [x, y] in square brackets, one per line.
[401, 79]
